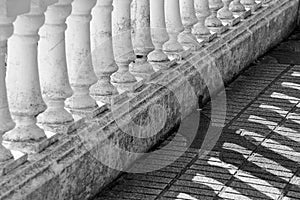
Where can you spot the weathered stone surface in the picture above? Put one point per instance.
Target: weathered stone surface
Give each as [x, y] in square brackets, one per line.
[77, 165]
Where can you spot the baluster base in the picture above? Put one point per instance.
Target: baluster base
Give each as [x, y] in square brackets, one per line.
[206, 38]
[158, 59]
[141, 68]
[178, 56]
[188, 40]
[103, 90]
[244, 14]
[55, 117]
[231, 22]
[163, 65]
[253, 7]
[219, 30]
[90, 112]
[172, 46]
[129, 87]
[11, 164]
[30, 147]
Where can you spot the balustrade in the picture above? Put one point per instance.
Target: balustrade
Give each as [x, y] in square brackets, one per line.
[87, 61]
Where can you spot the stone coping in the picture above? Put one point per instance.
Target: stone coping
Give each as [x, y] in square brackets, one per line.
[88, 157]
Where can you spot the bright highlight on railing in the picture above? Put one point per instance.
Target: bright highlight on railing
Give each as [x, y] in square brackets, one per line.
[94, 59]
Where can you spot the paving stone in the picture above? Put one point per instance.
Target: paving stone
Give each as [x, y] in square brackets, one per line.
[200, 169]
[264, 176]
[198, 185]
[289, 198]
[218, 176]
[272, 166]
[142, 177]
[294, 194]
[184, 192]
[136, 189]
[146, 184]
[258, 169]
[251, 194]
[255, 187]
[213, 162]
[255, 180]
[127, 195]
[185, 196]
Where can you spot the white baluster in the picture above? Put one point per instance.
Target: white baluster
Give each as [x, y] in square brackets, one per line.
[174, 27]
[212, 22]
[159, 34]
[189, 19]
[79, 59]
[6, 122]
[52, 64]
[23, 83]
[248, 3]
[143, 44]
[251, 4]
[11, 10]
[122, 44]
[237, 7]
[225, 13]
[102, 51]
[202, 12]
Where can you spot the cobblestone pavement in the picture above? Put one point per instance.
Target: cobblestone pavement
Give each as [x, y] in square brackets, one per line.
[258, 153]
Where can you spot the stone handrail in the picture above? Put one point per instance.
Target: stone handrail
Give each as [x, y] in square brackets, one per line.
[70, 61]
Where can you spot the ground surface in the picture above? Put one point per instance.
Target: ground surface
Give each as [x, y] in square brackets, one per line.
[257, 155]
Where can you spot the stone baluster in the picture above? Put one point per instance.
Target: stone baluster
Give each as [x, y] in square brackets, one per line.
[227, 16]
[237, 7]
[143, 43]
[53, 65]
[251, 4]
[6, 27]
[248, 3]
[23, 83]
[79, 58]
[174, 27]
[212, 22]
[102, 51]
[189, 19]
[122, 44]
[224, 12]
[159, 34]
[6, 122]
[202, 12]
